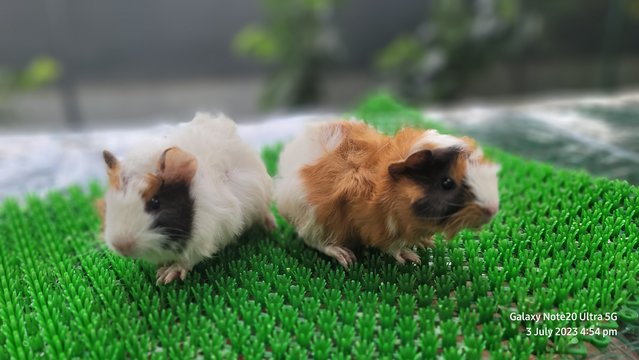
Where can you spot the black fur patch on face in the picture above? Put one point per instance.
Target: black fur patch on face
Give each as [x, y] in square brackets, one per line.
[443, 195]
[440, 206]
[172, 209]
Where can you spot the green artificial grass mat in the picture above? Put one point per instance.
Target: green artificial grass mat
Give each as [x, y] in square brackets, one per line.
[562, 242]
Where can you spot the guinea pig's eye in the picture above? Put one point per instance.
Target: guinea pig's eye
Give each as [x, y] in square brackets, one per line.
[154, 203]
[448, 183]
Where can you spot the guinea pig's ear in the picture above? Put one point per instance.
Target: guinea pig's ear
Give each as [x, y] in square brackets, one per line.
[113, 169]
[415, 161]
[176, 165]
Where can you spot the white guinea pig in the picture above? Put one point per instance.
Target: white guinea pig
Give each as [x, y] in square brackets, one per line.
[181, 199]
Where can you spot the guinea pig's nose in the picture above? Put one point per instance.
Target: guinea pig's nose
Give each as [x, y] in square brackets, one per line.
[124, 245]
[491, 210]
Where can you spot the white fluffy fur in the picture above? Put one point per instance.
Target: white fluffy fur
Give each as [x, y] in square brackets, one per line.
[482, 179]
[290, 196]
[231, 191]
[437, 139]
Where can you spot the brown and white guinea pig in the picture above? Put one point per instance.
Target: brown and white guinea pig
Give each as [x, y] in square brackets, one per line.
[180, 199]
[342, 185]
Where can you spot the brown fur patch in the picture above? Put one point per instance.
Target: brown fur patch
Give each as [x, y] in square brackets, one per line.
[176, 165]
[350, 187]
[458, 169]
[472, 144]
[485, 161]
[344, 179]
[153, 184]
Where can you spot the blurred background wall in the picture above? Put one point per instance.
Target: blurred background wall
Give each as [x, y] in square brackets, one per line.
[155, 39]
[74, 63]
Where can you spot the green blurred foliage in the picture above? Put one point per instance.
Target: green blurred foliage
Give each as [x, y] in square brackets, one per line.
[456, 40]
[40, 72]
[298, 40]
[459, 39]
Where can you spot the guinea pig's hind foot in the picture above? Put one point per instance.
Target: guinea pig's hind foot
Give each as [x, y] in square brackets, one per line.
[404, 255]
[168, 273]
[343, 255]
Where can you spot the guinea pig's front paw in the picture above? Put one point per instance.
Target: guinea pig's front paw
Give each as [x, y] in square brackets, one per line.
[342, 254]
[168, 273]
[404, 255]
[426, 242]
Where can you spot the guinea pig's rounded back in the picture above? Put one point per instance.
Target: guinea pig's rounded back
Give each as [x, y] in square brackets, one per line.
[315, 141]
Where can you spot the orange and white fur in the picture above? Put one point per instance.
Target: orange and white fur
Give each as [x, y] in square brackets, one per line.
[343, 185]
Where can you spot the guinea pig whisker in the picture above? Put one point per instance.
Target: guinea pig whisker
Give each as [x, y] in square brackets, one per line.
[434, 217]
[99, 251]
[174, 231]
[456, 223]
[453, 204]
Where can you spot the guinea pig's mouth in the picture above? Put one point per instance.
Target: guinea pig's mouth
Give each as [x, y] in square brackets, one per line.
[124, 247]
[490, 211]
[125, 252]
[473, 217]
[143, 253]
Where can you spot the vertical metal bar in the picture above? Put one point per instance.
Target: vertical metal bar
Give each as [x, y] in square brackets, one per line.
[57, 14]
[612, 31]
